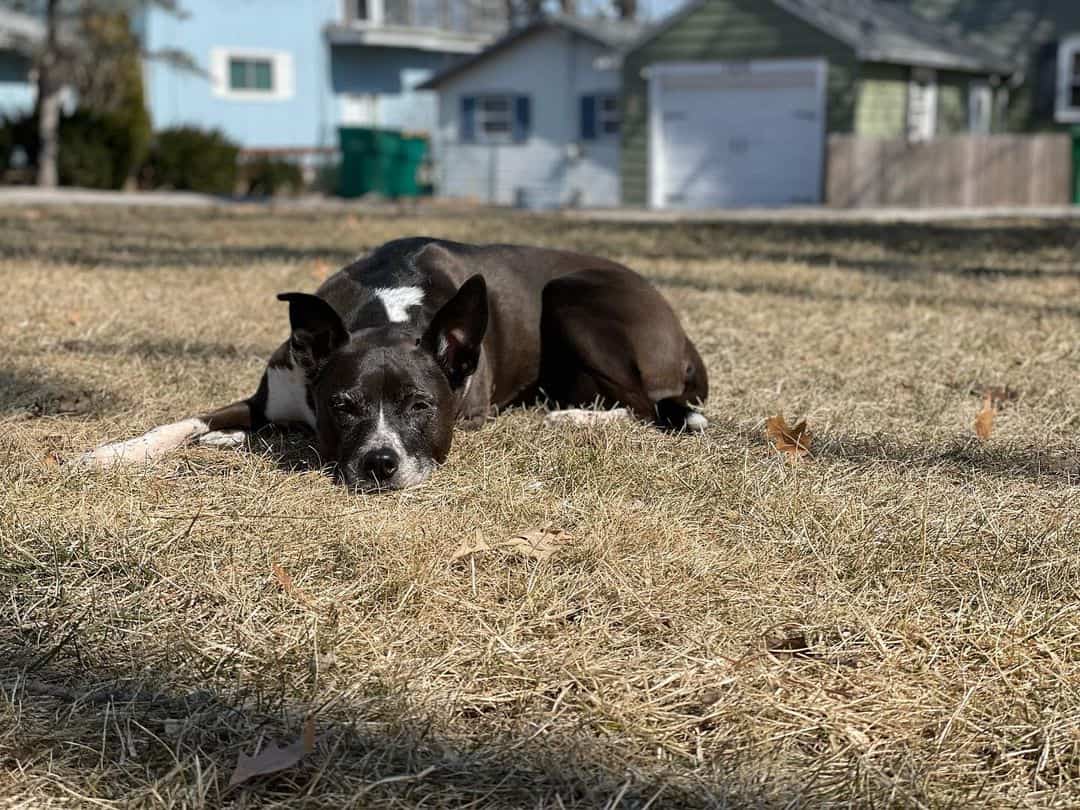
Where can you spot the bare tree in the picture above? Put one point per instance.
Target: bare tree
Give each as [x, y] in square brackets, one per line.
[67, 54]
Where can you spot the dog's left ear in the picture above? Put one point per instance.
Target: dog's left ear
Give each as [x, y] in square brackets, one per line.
[457, 331]
[317, 329]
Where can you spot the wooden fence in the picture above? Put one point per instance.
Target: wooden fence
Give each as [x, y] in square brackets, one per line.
[953, 171]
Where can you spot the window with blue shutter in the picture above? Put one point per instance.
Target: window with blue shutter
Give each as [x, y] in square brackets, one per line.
[501, 118]
[588, 118]
[468, 119]
[522, 118]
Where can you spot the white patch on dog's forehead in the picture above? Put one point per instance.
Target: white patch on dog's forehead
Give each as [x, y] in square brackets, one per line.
[398, 300]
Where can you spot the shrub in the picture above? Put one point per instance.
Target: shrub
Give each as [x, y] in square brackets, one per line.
[96, 150]
[266, 176]
[192, 159]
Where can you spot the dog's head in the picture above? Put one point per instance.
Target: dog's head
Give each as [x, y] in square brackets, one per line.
[386, 398]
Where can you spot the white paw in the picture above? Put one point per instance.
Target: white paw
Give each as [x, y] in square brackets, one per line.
[584, 418]
[696, 422]
[224, 438]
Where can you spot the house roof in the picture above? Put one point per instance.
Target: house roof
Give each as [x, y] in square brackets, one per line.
[19, 31]
[878, 31]
[1012, 29]
[608, 33]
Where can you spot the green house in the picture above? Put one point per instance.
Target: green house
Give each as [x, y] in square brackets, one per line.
[730, 102]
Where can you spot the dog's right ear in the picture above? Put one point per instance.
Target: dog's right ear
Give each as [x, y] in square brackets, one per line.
[317, 329]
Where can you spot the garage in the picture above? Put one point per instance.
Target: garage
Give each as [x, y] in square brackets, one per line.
[736, 134]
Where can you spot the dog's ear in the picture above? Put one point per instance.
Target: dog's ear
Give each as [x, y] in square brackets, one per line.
[317, 329]
[457, 331]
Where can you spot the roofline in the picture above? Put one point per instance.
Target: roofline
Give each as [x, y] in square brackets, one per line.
[541, 24]
[990, 66]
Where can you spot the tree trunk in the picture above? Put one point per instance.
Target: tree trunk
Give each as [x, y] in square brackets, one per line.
[48, 103]
[568, 7]
[627, 9]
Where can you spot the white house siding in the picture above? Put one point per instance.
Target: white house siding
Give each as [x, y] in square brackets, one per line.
[554, 68]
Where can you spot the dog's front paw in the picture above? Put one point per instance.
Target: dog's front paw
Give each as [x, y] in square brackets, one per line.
[224, 438]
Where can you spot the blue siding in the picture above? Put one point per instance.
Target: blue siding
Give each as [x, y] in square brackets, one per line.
[16, 93]
[331, 82]
[178, 97]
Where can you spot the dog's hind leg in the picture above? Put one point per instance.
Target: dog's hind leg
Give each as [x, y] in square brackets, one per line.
[609, 338]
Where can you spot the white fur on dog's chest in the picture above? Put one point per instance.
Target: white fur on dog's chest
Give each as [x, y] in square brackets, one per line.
[286, 396]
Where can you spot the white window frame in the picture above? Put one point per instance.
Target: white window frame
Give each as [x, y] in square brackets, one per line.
[924, 81]
[1065, 111]
[281, 74]
[606, 117]
[980, 108]
[480, 118]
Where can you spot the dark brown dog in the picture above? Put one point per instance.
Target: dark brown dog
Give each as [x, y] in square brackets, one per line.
[393, 350]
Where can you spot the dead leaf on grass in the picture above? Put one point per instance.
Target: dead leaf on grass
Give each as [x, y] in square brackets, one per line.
[540, 544]
[74, 317]
[285, 580]
[321, 270]
[999, 395]
[795, 441]
[469, 546]
[273, 758]
[984, 422]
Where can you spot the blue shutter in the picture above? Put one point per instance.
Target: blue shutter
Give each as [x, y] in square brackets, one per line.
[468, 119]
[588, 118]
[522, 118]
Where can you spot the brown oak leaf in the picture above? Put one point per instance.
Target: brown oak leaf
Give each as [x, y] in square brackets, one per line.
[984, 422]
[274, 758]
[794, 441]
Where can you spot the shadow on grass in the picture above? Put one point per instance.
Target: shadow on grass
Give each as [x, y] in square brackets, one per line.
[960, 457]
[36, 392]
[169, 348]
[125, 734]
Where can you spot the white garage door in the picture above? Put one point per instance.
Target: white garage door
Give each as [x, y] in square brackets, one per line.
[725, 135]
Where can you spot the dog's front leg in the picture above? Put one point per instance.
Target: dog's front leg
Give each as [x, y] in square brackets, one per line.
[223, 427]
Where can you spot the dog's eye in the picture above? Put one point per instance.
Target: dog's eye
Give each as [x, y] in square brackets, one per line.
[342, 403]
[420, 405]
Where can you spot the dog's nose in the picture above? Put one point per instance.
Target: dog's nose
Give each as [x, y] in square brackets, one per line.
[380, 464]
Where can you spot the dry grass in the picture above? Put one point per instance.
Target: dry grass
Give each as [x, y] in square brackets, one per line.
[896, 622]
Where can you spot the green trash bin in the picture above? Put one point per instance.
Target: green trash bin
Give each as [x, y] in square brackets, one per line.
[368, 161]
[406, 168]
[1076, 164]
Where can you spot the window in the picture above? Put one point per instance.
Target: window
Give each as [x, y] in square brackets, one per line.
[501, 118]
[358, 10]
[922, 105]
[599, 116]
[251, 74]
[1068, 91]
[980, 108]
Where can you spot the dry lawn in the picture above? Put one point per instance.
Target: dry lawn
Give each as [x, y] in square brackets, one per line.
[894, 622]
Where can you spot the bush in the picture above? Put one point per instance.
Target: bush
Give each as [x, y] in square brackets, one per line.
[96, 150]
[266, 176]
[192, 159]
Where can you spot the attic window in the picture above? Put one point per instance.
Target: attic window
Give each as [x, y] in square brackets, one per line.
[1068, 94]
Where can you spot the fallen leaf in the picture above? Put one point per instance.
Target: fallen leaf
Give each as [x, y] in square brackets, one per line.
[469, 546]
[984, 422]
[273, 758]
[320, 271]
[51, 459]
[540, 544]
[999, 396]
[286, 582]
[74, 317]
[795, 441]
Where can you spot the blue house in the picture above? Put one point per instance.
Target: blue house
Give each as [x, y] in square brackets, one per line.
[18, 34]
[282, 75]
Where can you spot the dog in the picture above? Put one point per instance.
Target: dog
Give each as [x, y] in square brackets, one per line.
[396, 348]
